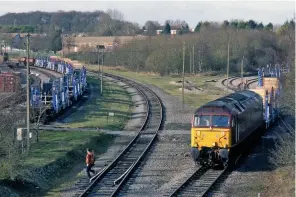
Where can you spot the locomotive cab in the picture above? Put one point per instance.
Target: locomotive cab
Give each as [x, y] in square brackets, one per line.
[211, 136]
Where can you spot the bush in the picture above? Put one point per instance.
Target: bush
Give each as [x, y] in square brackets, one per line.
[283, 153]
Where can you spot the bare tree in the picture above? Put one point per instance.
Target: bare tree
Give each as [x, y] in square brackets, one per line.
[115, 14]
[151, 27]
[9, 146]
[69, 42]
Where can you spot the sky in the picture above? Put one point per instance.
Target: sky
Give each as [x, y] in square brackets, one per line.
[192, 12]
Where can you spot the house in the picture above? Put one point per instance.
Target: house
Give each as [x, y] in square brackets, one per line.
[159, 31]
[174, 30]
[76, 44]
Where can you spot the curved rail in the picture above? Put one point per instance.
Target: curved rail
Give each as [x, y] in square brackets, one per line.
[238, 87]
[125, 163]
[251, 82]
[230, 83]
[199, 183]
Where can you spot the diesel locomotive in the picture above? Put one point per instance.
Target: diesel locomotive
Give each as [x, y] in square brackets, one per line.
[221, 125]
[221, 128]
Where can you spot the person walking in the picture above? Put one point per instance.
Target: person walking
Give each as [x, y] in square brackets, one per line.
[90, 161]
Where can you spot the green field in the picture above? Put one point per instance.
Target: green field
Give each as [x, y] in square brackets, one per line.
[57, 144]
[210, 92]
[59, 156]
[95, 112]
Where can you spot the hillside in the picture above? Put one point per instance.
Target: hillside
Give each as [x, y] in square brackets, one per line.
[95, 23]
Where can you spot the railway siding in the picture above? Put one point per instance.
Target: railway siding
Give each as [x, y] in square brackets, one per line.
[127, 161]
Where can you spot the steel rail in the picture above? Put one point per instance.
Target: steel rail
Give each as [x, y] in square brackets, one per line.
[199, 183]
[126, 160]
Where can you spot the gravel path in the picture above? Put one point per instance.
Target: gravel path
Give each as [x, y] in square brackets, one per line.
[175, 117]
[120, 142]
[168, 163]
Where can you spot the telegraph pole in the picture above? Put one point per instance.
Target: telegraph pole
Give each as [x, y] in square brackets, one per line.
[183, 74]
[199, 61]
[62, 44]
[227, 67]
[242, 72]
[193, 67]
[101, 48]
[190, 62]
[102, 73]
[28, 93]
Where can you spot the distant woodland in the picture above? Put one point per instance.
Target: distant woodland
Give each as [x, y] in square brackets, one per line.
[109, 23]
[96, 23]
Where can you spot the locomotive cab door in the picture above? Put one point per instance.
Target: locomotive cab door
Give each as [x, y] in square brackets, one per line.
[236, 128]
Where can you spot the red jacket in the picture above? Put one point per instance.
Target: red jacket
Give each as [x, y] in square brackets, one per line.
[90, 158]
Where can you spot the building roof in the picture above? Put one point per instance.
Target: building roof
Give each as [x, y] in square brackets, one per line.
[105, 39]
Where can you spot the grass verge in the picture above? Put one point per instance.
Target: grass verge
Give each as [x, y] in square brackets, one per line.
[210, 92]
[95, 112]
[275, 183]
[49, 162]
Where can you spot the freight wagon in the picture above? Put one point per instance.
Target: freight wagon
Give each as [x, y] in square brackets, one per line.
[10, 82]
[55, 96]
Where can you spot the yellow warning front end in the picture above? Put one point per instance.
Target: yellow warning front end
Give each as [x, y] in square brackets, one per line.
[210, 137]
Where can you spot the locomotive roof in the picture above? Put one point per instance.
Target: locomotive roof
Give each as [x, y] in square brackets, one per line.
[226, 102]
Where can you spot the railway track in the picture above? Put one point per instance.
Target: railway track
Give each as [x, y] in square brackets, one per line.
[112, 178]
[238, 87]
[230, 83]
[251, 81]
[199, 183]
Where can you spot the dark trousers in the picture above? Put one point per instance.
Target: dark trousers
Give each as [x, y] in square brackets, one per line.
[88, 169]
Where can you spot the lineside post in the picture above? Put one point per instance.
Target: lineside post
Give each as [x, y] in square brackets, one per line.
[101, 48]
[183, 74]
[28, 94]
[242, 73]
[227, 68]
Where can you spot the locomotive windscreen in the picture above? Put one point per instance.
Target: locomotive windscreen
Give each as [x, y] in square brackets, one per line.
[203, 121]
[220, 121]
[211, 120]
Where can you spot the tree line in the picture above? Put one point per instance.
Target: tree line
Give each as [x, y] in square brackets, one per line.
[205, 50]
[96, 23]
[109, 23]
[17, 29]
[236, 24]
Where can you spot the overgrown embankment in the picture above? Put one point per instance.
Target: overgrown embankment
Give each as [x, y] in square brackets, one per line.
[53, 157]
